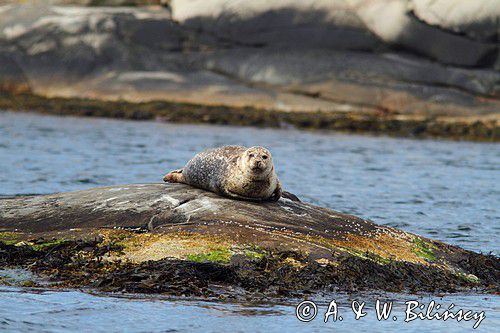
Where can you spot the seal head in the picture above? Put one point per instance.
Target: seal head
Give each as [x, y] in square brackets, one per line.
[256, 162]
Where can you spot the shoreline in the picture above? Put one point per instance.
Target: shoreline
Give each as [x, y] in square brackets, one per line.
[473, 128]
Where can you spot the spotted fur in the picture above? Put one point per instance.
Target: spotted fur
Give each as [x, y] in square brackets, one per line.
[232, 171]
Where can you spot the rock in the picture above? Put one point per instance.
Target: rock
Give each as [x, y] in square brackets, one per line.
[93, 2]
[417, 25]
[356, 59]
[477, 20]
[290, 23]
[12, 76]
[68, 44]
[155, 230]
[392, 22]
[362, 79]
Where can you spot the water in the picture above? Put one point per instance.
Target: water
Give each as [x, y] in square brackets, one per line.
[49, 311]
[440, 189]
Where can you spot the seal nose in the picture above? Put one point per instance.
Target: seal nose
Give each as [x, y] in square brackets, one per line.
[258, 164]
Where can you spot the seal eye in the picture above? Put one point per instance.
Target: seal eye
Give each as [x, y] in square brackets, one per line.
[251, 155]
[264, 157]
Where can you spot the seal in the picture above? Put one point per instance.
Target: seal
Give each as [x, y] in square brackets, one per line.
[232, 171]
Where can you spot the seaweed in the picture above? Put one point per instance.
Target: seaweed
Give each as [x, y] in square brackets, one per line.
[476, 129]
[224, 273]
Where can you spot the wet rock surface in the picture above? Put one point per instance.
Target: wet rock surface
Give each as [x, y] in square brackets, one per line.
[174, 239]
[388, 60]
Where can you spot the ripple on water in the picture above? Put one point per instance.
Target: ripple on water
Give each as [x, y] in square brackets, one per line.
[27, 310]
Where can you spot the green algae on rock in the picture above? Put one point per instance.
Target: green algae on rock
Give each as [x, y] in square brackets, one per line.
[175, 239]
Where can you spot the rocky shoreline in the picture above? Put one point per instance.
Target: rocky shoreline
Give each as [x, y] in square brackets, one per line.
[479, 128]
[409, 68]
[176, 240]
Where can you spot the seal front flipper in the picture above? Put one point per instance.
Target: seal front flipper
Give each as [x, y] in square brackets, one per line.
[277, 193]
[240, 197]
[175, 176]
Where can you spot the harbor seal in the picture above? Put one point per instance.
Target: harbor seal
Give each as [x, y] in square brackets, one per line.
[232, 171]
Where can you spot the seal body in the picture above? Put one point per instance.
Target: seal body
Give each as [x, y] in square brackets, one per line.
[232, 171]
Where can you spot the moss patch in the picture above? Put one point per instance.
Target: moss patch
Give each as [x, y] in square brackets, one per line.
[222, 256]
[141, 247]
[9, 238]
[424, 249]
[256, 254]
[48, 244]
[381, 248]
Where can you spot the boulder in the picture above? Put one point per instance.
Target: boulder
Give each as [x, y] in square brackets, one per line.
[154, 230]
[478, 20]
[393, 22]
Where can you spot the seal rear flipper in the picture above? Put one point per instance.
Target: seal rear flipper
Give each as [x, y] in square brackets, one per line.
[175, 176]
[239, 197]
[290, 196]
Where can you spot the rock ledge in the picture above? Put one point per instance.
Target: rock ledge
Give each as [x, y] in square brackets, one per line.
[174, 239]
